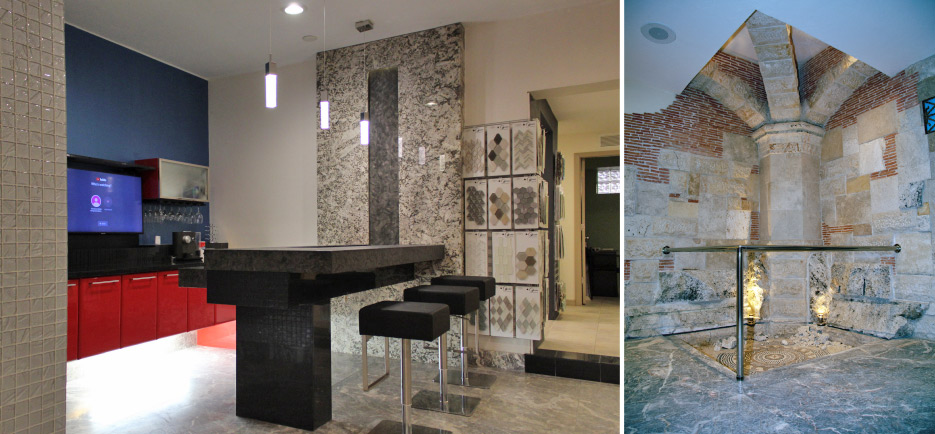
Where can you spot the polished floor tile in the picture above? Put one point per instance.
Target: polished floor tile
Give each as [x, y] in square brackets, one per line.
[192, 390]
[879, 387]
[591, 329]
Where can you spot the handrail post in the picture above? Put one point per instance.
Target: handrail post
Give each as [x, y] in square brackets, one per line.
[740, 313]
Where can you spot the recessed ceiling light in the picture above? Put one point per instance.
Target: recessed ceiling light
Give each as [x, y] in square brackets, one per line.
[658, 33]
[310, 38]
[294, 9]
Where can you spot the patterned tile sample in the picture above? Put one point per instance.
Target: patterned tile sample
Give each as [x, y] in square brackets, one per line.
[543, 203]
[525, 147]
[475, 254]
[501, 312]
[431, 210]
[540, 151]
[526, 202]
[475, 204]
[498, 150]
[473, 152]
[33, 216]
[528, 312]
[499, 193]
[502, 256]
[527, 260]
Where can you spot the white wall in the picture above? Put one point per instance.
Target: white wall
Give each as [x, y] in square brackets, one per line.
[504, 60]
[264, 161]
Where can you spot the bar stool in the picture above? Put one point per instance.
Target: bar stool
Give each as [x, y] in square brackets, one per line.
[460, 301]
[487, 288]
[404, 320]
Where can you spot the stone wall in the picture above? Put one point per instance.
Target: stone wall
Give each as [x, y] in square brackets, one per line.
[691, 178]
[33, 217]
[430, 68]
[875, 167]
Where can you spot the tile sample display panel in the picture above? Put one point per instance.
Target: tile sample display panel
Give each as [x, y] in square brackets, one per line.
[525, 147]
[527, 259]
[499, 200]
[475, 254]
[475, 204]
[502, 255]
[526, 202]
[498, 150]
[501, 312]
[473, 153]
[528, 312]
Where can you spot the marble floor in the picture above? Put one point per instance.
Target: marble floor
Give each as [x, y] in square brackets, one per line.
[590, 329]
[886, 386]
[192, 390]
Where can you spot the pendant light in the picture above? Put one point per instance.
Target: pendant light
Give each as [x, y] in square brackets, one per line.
[270, 66]
[365, 128]
[323, 97]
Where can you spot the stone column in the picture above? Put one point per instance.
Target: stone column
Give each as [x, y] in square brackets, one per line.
[790, 214]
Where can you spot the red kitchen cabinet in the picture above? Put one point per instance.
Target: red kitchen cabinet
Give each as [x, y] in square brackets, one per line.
[138, 309]
[171, 305]
[200, 312]
[98, 315]
[72, 353]
[224, 313]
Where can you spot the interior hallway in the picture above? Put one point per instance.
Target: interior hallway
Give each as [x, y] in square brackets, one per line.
[590, 329]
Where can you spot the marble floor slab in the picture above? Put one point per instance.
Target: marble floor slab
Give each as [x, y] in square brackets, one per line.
[192, 390]
[879, 387]
[590, 329]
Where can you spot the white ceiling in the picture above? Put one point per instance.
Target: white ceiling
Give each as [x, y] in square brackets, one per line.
[216, 38]
[805, 45]
[585, 109]
[887, 35]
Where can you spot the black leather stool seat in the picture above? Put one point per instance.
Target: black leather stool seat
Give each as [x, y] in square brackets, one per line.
[405, 320]
[486, 285]
[461, 300]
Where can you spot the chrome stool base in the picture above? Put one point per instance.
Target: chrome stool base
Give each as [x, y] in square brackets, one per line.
[475, 379]
[457, 404]
[394, 427]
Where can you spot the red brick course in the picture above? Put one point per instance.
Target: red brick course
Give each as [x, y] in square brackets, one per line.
[694, 123]
[754, 225]
[815, 68]
[743, 69]
[878, 90]
[889, 159]
[826, 232]
[626, 270]
[666, 265]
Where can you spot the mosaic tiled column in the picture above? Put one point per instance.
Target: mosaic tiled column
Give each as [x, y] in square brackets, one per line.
[33, 221]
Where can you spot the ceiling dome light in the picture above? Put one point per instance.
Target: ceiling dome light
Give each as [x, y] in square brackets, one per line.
[658, 33]
[294, 9]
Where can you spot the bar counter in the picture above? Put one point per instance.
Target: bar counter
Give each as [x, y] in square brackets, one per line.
[283, 298]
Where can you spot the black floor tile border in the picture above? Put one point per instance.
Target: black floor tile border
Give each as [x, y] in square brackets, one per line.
[591, 367]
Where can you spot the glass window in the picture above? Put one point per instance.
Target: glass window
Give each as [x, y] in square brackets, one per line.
[608, 180]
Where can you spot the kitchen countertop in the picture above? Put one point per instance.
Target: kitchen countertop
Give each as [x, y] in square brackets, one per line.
[129, 270]
[320, 259]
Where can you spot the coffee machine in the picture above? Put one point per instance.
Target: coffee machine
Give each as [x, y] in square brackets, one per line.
[185, 246]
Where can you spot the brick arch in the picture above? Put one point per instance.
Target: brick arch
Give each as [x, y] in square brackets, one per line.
[732, 92]
[834, 87]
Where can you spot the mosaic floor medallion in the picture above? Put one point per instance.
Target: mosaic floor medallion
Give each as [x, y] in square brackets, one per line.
[764, 357]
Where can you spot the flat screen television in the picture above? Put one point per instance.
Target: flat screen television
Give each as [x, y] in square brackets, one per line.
[101, 202]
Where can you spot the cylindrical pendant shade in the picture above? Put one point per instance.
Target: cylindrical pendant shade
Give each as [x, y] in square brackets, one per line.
[364, 129]
[270, 85]
[323, 107]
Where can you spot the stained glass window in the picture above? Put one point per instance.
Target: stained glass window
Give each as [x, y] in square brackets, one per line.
[608, 180]
[928, 115]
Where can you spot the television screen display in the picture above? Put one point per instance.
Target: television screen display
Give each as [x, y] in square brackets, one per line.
[104, 202]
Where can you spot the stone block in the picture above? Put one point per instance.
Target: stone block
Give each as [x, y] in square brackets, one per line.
[849, 143]
[712, 217]
[689, 261]
[646, 248]
[925, 327]
[738, 225]
[787, 288]
[829, 188]
[853, 209]
[696, 285]
[888, 320]
[740, 170]
[869, 280]
[786, 195]
[787, 268]
[858, 184]
[653, 198]
[876, 123]
[870, 157]
[925, 89]
[781, 84]
[896, 221]
[630, 192]
[785, 114]
[832, 145]
[759, 20]
[863, 229]
[911, 287]
[694, 185]
[644, 271]
[777, 68]
[684, 210]
[916, 254]
[640, 293]
[638, 226]
[852, 78]
[819, 272]
[828, 215]
[674, 160]
[924, 209]
[739, 148]
[716, 185]
[912, 150]
[842, 167]
[769, 35]
[884, 195]
[675, 226]
[678, 183]
[710, 166]
[910, 195]
[786, 225]
[720, 261]
[788, 308]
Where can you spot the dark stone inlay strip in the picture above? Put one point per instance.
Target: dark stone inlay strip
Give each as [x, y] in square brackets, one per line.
[383, 96]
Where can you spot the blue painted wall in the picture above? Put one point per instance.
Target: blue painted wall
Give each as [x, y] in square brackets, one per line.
[125, 106]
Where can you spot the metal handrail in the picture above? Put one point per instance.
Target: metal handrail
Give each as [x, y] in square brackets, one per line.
[740, 249]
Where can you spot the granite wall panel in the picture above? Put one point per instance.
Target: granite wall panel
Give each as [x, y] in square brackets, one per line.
[430, 69]
[33, 217]
[383, 95]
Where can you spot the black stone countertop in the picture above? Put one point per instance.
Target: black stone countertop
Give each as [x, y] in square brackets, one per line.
[325, 259]
[125, 270]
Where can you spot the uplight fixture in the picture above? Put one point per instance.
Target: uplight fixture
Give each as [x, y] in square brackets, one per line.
[365, 128]
[294, 9]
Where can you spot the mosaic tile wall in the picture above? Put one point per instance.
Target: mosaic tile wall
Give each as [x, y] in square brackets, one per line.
[430, 69]
[33, 221]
